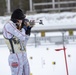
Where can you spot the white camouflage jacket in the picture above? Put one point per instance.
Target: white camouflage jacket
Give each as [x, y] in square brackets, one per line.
[10, 30]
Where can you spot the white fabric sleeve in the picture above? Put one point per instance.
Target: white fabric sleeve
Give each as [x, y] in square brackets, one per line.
[14, 31]
[26, 37]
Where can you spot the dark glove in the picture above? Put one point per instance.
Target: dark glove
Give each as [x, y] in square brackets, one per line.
[24, 24]
[28, 31]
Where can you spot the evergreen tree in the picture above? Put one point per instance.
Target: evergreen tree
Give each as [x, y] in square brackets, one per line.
[2, 7]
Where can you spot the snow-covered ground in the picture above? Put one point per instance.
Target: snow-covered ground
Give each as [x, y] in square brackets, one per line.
[43, 60]
[64, 18]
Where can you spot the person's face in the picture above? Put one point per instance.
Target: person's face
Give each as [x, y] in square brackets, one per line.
[19, 23]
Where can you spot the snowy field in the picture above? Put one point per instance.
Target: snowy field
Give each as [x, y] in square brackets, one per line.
[43, 60]
[64, 18]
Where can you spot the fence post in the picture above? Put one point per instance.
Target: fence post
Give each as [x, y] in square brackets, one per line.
[30, 3]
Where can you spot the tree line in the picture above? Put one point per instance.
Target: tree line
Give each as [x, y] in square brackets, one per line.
[23, 4]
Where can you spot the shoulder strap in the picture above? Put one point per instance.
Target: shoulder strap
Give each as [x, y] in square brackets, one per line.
[10, 40]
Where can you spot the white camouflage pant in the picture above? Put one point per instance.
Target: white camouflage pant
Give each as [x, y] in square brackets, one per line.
[21, 59]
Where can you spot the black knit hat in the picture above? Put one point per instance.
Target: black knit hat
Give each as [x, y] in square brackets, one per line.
[18, 14]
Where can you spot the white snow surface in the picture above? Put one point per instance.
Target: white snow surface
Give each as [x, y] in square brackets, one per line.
[64, 18]
[42, 60]
[43, 57]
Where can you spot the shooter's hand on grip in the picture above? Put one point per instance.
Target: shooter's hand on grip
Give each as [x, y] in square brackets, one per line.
[27, 25]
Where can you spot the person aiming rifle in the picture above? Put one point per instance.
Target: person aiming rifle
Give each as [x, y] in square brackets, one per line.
[16, 33]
